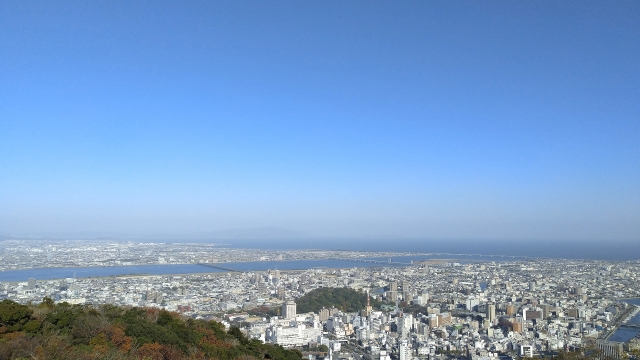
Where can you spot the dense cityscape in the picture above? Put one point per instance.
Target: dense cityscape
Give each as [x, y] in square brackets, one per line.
[319, 180]
[426, 309]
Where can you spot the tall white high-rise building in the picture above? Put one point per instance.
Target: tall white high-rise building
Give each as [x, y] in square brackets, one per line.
[405, 351]
[491, 311]
[405, 324]
[289, 309]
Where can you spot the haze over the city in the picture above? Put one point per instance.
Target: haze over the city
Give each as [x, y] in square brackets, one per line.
[457, 120]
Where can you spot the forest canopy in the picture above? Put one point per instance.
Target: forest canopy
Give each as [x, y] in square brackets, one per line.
[63, 331]
[345, 299]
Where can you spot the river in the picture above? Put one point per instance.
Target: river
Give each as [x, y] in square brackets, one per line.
[626, 334]
[173, 269]
[85, 272]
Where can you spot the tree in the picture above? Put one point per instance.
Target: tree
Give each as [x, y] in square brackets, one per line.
[14, 315]
[344, 298]
[63, 331]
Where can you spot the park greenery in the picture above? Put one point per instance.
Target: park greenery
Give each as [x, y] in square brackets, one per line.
[413, 308]
[63, 331]
[344, 299]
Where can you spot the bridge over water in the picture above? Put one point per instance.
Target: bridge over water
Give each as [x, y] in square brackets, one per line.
[630, 326]
[220, 267]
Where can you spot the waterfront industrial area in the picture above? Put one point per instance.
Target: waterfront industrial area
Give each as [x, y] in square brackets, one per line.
[431, 308]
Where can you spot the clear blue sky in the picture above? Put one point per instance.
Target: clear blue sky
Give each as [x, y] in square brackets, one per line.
[427, 119]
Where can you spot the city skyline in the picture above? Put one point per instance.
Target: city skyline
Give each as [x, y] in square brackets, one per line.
[420, 307]
[336, 120]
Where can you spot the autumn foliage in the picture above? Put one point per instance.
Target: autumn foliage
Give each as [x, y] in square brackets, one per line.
[63, 331]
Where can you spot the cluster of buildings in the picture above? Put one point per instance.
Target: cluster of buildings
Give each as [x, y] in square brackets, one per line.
[478, 310]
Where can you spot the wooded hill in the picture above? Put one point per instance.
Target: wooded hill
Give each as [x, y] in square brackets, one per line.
[345, 299]
[63, 331]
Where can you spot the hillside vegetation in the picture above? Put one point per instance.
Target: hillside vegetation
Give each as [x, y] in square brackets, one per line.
[63, 331]
[345, 299]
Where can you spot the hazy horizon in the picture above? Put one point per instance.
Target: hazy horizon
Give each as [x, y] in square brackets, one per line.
[426, 120]
[592, 249]
[279, 235]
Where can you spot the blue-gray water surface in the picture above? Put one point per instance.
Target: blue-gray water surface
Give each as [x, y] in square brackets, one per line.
[626, 334]
[85, 272]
